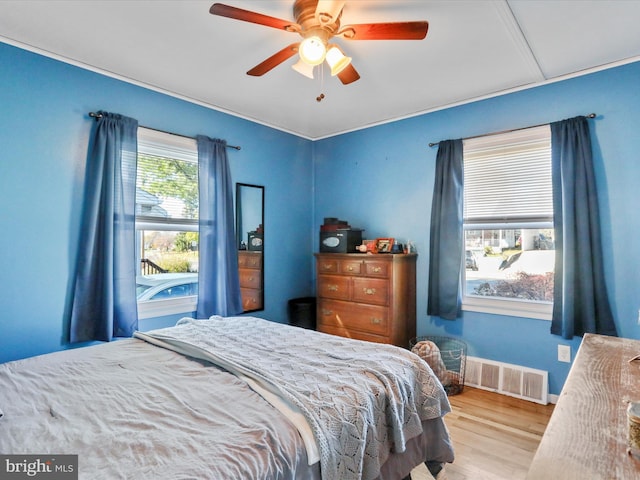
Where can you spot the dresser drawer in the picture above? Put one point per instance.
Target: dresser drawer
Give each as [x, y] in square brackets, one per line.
[251, 298]
[327, 265]
[250, 278]
[353, 334]
[353, 317]
[374, 268]
[371, 290]
[334, 286]
[250, 260]
[351, 267]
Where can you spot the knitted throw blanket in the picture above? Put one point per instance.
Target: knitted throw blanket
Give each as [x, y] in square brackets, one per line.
[360, 399]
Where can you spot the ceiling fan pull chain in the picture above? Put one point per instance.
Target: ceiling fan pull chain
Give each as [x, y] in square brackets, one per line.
[321, 96]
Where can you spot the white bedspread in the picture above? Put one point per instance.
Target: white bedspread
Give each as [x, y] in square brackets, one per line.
[362, 400]
[131, 410]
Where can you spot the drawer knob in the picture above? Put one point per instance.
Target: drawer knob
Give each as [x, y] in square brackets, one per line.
[326, 266]
[350, 268]
[376, 321]
[326, 312]
[369, 291]
[332, 288]
[377, 269]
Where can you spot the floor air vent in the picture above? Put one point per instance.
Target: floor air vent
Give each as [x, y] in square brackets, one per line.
[514, 380]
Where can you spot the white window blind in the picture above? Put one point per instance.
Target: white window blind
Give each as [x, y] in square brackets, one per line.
[167, 181]
[507, 178]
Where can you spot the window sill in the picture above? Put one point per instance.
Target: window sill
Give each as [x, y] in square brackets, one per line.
[169, 306]
[513, 308]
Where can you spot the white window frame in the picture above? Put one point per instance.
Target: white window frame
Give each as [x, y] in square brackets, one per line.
[506, 306]
[163, 144]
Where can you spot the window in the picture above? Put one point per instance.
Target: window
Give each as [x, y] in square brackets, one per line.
[508, 224]
[166, 223]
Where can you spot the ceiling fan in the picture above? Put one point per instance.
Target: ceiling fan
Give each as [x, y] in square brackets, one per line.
[318, 22]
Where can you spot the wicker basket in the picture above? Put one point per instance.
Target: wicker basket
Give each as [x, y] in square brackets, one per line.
[448, 364]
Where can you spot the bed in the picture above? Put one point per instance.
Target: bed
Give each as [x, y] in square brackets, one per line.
[228, 398]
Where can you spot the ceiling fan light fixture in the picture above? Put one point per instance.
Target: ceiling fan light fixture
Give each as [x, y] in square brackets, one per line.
[337, 60]
[312, 50]
[303, 68]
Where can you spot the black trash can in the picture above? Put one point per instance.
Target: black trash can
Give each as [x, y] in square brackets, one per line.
[302, 312]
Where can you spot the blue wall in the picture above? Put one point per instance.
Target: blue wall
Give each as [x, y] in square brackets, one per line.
[381, 179]
[44, 131]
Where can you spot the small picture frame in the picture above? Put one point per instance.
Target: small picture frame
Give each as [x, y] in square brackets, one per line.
[384, 245]
[369, 246]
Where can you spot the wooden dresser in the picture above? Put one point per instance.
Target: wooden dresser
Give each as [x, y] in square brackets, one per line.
[367, 297]
[250, 270]
[586, 438]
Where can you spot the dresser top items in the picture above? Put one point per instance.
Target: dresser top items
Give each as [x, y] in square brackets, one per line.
[337, 236]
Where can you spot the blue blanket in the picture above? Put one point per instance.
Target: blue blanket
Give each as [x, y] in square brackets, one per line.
[361, 399]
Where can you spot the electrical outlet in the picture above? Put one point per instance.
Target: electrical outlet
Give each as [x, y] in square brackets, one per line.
[564, 353]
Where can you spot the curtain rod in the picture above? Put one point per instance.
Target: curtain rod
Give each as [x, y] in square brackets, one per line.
[97, 116]
[433, 144]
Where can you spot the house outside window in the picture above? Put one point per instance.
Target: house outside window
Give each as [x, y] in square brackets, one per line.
[508, 224]
[166, 224]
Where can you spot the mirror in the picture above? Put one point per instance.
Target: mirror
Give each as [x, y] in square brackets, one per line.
[250, 242]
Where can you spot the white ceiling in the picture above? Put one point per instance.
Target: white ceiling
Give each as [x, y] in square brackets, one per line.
[474, 49]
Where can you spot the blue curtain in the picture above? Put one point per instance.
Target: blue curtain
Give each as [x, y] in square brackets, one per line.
[581, 303]
[445, 252]
[218, 282]
[104, 301]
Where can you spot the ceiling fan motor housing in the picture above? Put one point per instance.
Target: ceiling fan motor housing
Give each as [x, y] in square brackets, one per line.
[304, 11]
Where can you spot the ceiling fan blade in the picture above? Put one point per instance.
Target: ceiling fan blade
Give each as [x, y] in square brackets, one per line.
[385, 31]
[252, 17]
[348, 75]
[274, 60]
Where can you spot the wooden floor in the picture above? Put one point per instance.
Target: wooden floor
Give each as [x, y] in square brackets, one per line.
[494, 436]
